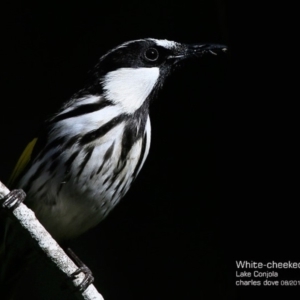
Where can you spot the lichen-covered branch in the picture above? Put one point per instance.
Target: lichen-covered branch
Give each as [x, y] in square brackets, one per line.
[49, 246]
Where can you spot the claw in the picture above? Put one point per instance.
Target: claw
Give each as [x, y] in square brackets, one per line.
[13, 199]
[88, 276]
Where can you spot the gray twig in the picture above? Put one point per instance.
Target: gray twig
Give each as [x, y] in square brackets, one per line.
[49, 246]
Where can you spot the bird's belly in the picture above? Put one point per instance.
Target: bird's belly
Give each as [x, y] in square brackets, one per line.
[67, 220]
[77, 202]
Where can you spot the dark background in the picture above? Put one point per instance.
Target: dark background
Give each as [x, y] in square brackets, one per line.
[221, 180]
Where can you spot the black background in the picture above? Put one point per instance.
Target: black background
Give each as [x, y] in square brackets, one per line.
[221, 180]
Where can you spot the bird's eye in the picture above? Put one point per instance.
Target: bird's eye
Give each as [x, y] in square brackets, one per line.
[151, 54]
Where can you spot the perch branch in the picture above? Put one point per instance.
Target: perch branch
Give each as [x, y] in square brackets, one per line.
[49, 246]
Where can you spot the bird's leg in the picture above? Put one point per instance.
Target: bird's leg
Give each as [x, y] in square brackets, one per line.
[88, 276]
[13, 199]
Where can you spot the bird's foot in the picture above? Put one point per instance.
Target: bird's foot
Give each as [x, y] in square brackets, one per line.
[13, 199]
[88, 276]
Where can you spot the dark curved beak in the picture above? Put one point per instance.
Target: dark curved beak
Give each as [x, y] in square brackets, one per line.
[199, 50]
[196, 50]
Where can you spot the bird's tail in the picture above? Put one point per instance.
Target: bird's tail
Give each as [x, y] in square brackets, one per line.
[14, 254]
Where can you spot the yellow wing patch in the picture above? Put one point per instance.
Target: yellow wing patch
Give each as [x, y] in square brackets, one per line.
[22, 162]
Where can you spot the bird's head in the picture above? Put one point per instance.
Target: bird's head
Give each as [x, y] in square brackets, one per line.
[131, 73]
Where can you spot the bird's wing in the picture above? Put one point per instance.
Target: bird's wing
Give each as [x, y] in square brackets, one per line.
[7, 258]
[22, 162]
[10, 264]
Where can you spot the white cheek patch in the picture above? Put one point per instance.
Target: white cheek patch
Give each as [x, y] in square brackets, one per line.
[129, 87]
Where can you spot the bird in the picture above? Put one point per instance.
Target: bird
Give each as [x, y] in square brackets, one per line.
[88, 153]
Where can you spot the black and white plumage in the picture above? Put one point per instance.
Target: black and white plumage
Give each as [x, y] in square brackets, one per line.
[89, 153]
[94, 147]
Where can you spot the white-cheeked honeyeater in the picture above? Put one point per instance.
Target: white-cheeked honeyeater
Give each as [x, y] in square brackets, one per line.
[89, 153]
